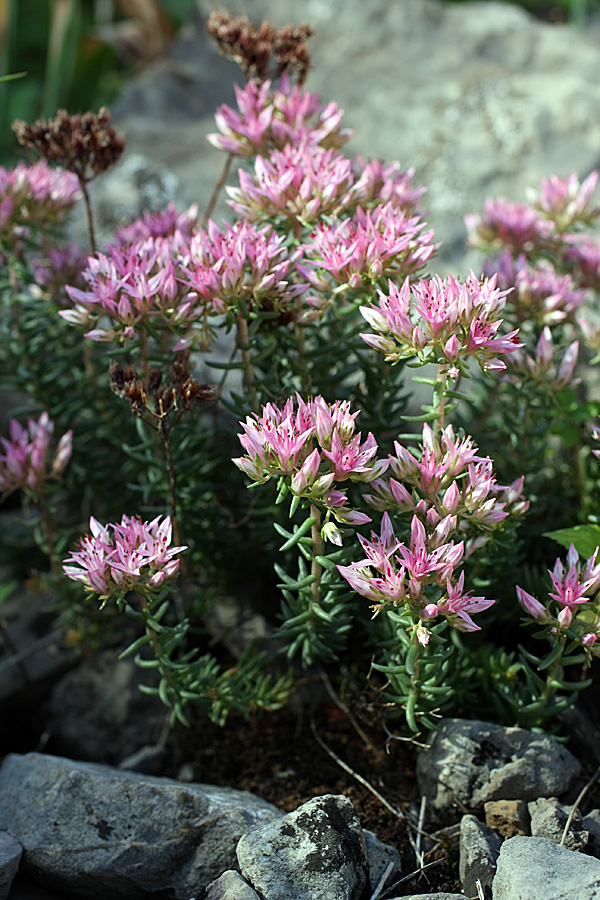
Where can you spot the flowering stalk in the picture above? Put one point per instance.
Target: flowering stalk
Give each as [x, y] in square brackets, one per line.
[28, 465]
[570, 623]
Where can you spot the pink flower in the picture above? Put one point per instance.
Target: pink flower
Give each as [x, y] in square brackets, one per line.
[298, 183]
[271, 118]
[130, 556]
[440, 321]
[373, 244]
[241, 263]
[582, 252]
[32, 197]
[540, 293]
[566, 202]
[377, 184]
[515, 227]
[26, 463]
[577, 584]
[459, 605]
[532, 606]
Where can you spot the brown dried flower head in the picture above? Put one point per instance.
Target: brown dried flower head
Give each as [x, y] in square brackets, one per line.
[262, 51]
[84, 144]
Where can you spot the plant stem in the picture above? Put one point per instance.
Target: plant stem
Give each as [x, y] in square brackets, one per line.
[439, 392]
[162, 668]
[88, 209]
[144, 357]
[47, 530]
[316, 570]
[244, 344]
[413, 697]
[216, 191]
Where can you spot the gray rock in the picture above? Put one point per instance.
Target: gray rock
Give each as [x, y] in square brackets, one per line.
[97, 712]
[10, 857]
[379, 857]
[470, 762]
[442, 896]
[520, 104]
[316, 852]
[32, 655]
[230, 886]
[95, 831]
[548, 820]
[479, 849]
[531, 868]
[591, 822]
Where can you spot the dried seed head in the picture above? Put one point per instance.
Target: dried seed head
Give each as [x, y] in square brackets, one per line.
[262, 51]
[84, 144]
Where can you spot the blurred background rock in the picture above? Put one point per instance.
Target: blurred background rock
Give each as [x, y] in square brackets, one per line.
[481, 98]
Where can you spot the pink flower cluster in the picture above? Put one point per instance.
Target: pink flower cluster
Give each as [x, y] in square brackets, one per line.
[128, 284]
[539, 292]
[175, 277]
[537, 226]
[377, 184]
[443, 321]
[32, 196]
[448, 479]
[60, 266]
[542, 368]
[131, 556]
[27, 462]
[240, 263]
[565, 201]
[575, 589]
[313, 445]
[298, 183]
[547, 226]
[419, 577]
[168, 224]
[271, 118]
[385, 242]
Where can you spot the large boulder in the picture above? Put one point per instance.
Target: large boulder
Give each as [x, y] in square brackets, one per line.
[317, 852]
[481, 98]
[97, 832]
[469, 762]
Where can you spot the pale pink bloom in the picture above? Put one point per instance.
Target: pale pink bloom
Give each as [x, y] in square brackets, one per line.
[297, 183]
[542, 368]
[443, 457]
[459, 605]
[351, 458]
[566, 201]
[129, 556]
[32, 197]
[578, 583]
[377, 183]
[435, 317]
[516, 227]
[128, 284]
[27, 462]
[392, 572]
[241, 263]
[373, 244]
[540, 293]
[532, 606]
[169, 224]
[582, 253]
[313, 444]
[269, 117]
[61, 266]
